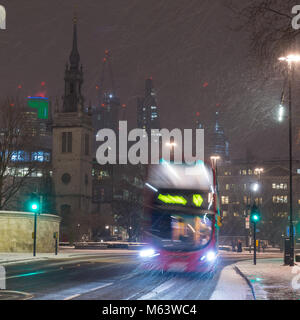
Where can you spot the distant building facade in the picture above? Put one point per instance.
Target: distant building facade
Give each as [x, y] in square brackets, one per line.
[219, 144]
[241, 184]
[147, 109]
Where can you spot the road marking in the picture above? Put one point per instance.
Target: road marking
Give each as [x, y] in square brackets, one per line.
[74, 292]
[91, 290]
[26, 274]
[163, 287]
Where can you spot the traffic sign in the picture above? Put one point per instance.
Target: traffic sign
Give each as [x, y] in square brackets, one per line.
[288, 231]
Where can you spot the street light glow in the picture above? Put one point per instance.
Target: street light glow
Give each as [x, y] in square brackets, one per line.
[280, 113]
[255, 187]
[290, 58]
[215, 158]
[171, 144]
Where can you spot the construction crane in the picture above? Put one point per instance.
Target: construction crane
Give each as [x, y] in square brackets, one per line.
[110, 106]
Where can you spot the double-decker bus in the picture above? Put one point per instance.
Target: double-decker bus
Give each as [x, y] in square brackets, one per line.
[181, 213]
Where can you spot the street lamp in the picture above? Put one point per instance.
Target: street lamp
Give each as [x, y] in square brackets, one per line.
[281, 113]
[171, 145]
[255, 187]
[214, 159]
[291, 60]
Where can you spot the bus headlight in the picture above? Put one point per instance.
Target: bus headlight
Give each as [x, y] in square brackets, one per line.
[211, 256]
[148, 253]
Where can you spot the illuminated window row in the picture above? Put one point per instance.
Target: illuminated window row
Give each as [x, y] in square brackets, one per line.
[281, 214]
[282, 186]
[224, 199]
[22, 172]
[280, 199]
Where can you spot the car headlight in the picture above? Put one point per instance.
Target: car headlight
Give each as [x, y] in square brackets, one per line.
[148, 253]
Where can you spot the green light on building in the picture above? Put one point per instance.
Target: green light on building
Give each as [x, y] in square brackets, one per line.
[42, 106]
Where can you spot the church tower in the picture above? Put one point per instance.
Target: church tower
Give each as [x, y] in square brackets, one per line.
[72, 147]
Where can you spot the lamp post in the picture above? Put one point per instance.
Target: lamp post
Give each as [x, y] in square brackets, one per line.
[254, 187]
[171, 145]
[214, 161]
[291, 60]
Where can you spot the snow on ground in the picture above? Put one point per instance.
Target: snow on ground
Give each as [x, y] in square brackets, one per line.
[12, 258]
[231, 286]
[271, 280]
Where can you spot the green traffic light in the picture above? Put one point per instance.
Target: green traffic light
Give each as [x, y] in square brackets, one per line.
[34, 206]
[255, 217]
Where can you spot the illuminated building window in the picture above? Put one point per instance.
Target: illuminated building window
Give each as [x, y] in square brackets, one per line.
[247, 200]
[236, 214]
[227, 187]
[103, 175]
[279, 186]
[225, 213]
[225, 199]
[250, 172]
[258, 200]
[282, 214]
[280, 199]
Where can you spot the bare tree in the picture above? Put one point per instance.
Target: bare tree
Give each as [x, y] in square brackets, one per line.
[17, 143]
[269, 26]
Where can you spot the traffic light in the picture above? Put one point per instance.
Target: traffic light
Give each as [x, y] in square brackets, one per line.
[34, 203]
[255, 214]
[219, 221]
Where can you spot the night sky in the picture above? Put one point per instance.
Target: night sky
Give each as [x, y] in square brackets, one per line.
[198, 63]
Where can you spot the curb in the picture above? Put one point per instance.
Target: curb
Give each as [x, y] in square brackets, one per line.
[9, 262]
[236, 268]
[24, 295]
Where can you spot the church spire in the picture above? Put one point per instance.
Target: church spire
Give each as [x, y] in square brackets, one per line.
[74, 56]
[73, 98]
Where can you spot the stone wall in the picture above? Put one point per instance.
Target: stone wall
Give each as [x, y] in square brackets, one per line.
[16, 230]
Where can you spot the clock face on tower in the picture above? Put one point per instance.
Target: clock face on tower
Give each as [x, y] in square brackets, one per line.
[66, 178]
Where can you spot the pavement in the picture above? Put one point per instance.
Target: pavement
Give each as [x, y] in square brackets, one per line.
[270, 279]
[64, 253]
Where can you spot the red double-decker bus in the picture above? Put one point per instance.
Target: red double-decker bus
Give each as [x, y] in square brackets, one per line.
[181, 213]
